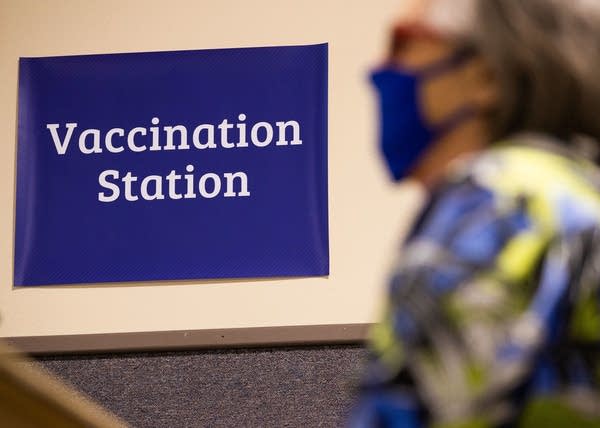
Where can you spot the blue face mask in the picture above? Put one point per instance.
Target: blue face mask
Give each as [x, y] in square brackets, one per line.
[404, 133]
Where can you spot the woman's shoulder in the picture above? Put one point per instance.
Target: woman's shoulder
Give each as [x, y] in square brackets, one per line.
[560, 189]
[506, 204]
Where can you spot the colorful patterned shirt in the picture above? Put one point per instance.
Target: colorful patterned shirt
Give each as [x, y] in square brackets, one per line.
[493, 312]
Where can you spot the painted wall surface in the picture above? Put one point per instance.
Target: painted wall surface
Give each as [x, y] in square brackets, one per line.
[367, 214]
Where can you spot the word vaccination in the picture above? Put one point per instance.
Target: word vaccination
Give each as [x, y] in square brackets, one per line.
[203, 136]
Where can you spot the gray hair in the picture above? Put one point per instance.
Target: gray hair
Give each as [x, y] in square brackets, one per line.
[545, 57]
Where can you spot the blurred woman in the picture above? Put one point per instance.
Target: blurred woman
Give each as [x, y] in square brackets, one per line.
[493, 314]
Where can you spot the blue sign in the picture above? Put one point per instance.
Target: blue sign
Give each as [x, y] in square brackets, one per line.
[172, 165]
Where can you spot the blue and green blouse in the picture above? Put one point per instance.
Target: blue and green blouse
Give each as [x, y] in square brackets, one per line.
[493, 311]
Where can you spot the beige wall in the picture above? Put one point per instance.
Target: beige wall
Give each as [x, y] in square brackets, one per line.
[367, 214]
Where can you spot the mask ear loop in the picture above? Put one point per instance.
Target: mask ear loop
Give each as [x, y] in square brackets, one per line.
[441, 67]
[446, 64]
[456, 118]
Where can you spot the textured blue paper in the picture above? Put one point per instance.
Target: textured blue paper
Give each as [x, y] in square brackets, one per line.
[64, 234]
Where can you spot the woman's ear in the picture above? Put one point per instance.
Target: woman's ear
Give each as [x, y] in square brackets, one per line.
[484, 89]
